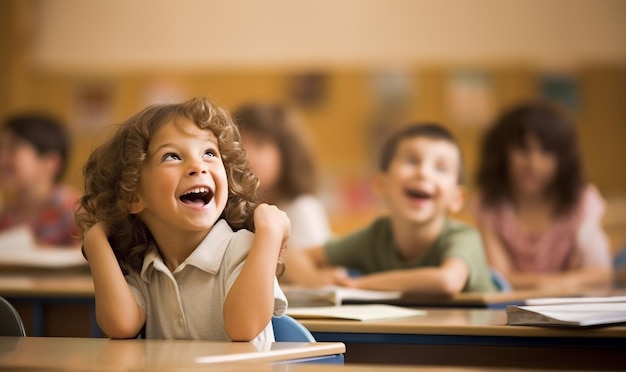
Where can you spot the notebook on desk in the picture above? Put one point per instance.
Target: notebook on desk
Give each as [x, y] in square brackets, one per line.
[573, 311]
[353, 312]
[336, 295]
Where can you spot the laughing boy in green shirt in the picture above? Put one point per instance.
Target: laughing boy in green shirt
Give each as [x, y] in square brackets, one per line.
[416, 248]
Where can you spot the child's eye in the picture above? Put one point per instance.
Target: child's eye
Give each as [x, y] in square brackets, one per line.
[441, 168]
[170, 156]
[411, 160]
[210, 153]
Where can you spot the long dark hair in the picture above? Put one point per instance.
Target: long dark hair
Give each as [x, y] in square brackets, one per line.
[556, 134]
[280, 124]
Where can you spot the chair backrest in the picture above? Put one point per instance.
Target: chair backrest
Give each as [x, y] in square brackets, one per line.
[10, 321]
[287, 329]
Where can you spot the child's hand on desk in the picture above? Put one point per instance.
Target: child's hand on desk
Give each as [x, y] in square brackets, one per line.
[268, 219]
[342, 278]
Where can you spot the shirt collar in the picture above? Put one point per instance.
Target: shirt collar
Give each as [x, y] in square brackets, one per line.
[207, 256]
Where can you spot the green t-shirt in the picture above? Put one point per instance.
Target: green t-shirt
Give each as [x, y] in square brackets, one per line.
[373, 249]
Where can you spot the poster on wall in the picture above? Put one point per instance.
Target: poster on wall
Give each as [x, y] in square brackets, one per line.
[392, 91]
[560, 88]
[93, 105]
[308, 90]
[470, 97]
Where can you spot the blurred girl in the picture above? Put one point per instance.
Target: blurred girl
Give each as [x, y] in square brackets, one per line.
[280, 157]
[540, 219]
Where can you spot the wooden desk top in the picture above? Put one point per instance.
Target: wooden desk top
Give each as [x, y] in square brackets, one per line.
[465, 322]
[47, 284]
[106, 354]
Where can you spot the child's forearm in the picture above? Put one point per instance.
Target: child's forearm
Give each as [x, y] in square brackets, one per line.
[249, 304]
[301, 269]
[117, 312]
[579, 279]
[427, 281]
[447, 280]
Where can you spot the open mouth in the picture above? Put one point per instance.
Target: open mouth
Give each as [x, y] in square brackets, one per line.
[418, 194]
[199, 196]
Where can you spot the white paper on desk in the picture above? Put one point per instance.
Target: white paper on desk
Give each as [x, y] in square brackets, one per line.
[337, 295]
[588, 314]
[353, 312]
[18, 248]
[574, 300]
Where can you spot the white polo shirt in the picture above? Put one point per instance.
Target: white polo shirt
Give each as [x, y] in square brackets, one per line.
[188, 303]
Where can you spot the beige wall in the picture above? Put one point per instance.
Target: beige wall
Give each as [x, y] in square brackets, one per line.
[119, 34]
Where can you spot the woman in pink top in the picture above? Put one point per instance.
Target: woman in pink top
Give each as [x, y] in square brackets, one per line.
[540, 219]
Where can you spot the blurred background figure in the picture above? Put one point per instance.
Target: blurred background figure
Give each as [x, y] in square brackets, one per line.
[540, 218]
[33, 158]
[279, 153]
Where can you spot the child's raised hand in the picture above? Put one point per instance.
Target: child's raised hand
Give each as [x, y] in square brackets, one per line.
[95, 236]
[268, 219]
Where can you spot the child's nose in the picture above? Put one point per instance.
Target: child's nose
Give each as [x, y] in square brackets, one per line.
[421, 171]
[197, 168]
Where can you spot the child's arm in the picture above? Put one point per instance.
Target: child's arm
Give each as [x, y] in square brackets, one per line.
[447, 279]
[310, 268]
[580, 278]
[117, 312]
[249, 304]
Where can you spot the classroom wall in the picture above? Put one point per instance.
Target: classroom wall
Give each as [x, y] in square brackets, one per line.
[377, 64]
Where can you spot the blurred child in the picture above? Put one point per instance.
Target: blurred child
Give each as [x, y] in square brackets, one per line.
[279, 155]
[417, 248]
[540, 219]
[172, 193]
[33, 158]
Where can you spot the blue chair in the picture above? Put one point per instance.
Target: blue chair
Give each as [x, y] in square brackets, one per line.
[287, 329]
[10, 321]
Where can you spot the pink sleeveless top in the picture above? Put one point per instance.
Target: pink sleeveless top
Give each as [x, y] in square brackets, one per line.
[572, 239]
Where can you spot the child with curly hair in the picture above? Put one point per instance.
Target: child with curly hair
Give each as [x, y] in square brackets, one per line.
[166, 217]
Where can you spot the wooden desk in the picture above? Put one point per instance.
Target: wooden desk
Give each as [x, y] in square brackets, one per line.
[302, 297]
[52, 303]
[497, 300]
[105, 354]
[473, 337]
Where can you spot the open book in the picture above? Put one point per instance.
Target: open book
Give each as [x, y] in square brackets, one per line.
[18, 249]
[335, 295]
[353, 312]
[572, 311]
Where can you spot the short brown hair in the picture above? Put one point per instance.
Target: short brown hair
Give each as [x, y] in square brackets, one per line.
[429, 130]
[278, 124]
[45, 133]
[112, 173]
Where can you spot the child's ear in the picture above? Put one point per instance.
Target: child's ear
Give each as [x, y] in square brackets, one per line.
[136, 206]
[458, 199]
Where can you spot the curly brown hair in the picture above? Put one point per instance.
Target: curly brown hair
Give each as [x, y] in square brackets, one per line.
[280, 124]
[112, 174]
